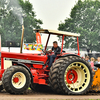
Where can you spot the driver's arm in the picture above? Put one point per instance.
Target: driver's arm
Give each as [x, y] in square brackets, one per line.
[49, 51]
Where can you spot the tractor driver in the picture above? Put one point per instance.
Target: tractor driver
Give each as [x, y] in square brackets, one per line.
[56, 49]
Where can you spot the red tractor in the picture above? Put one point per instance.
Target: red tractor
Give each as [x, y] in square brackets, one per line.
[69, 73]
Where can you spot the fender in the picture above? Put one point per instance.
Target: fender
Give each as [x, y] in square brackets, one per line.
[69, 55]
[23, 65]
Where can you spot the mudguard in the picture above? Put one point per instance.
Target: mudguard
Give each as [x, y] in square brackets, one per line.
[69, 55]
[23, 65]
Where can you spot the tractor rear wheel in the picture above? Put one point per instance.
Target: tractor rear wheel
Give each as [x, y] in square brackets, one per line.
[71, 75]
[16, 80]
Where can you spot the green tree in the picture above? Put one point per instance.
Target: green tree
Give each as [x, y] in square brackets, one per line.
[84, 19]
[10, 26]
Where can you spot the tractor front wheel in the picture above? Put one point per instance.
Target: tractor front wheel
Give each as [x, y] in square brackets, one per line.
[16, 80]
[71, 75]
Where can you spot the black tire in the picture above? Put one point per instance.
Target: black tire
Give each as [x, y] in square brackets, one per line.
[41, 88]
[1, 88]
[16, 87]
[34, 87]
[53, 77]
[58, 75]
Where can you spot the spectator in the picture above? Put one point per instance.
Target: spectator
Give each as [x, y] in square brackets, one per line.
[92, 62]
[87, 58]
[98, 60]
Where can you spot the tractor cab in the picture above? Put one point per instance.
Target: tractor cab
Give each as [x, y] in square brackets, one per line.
[59, 33]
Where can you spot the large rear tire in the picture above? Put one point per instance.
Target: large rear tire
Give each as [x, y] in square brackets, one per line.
[71, 75]
[16, 80]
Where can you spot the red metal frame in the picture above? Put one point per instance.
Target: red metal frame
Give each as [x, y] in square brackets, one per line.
[2, 68]
[2, 63]
[24, 56]
[78, 46]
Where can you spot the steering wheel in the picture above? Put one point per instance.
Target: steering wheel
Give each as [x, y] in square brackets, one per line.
[45, 52]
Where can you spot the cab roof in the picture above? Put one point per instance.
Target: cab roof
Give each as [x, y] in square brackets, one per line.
[56, 32]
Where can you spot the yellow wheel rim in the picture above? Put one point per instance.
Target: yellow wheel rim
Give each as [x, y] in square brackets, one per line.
[18, 80]
[82, 80]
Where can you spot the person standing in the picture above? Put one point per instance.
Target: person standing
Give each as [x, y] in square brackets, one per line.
[92, 63]
[87, 59]
[98, 60]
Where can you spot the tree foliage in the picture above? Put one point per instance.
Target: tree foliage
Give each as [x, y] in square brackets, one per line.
[84, 19]
[10, 26]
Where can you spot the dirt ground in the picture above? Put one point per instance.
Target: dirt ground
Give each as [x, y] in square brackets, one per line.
[49, 95]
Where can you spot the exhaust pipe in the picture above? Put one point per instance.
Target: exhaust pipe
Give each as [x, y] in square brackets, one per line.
[22, 35]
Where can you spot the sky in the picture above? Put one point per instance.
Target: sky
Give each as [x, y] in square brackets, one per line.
[52, 12]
